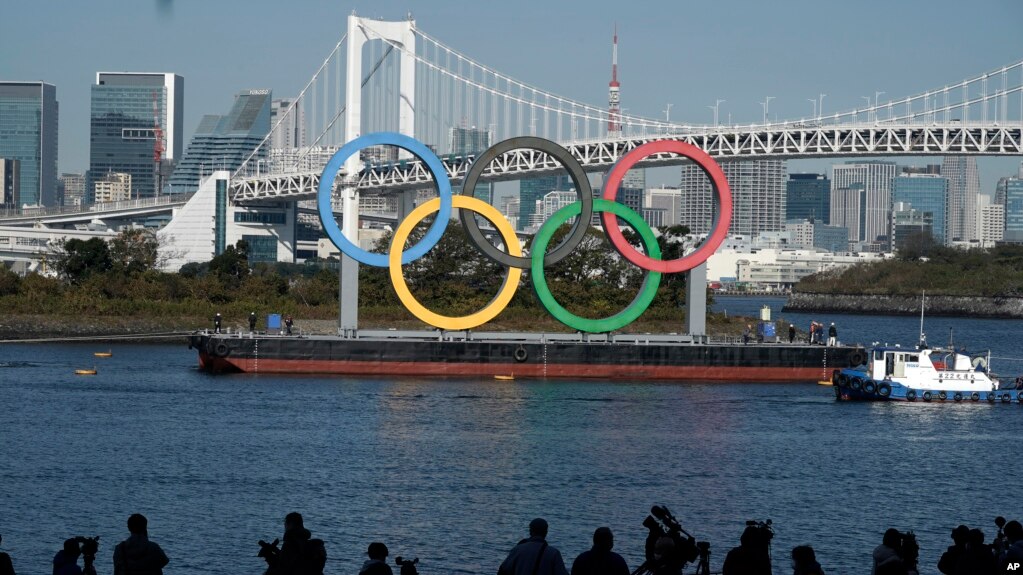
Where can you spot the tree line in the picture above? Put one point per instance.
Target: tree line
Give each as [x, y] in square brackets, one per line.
[122, 277]
[924, 265]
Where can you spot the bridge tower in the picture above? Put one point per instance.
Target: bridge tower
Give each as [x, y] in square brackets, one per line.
[359, 34]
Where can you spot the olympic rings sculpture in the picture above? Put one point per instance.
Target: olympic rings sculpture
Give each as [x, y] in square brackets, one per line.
[512, 258]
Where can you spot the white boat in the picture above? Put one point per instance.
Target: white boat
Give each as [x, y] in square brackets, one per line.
[925, 373]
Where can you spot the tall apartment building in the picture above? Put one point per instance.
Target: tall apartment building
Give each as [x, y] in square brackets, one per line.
[874, 178]
[113, 187]
[290, 134]
[808, 197]
[758, 197]
[28, 133]
[990, 221]
[848, 210]
[126, 108]
[963, 187]
[532, 190]
[224, 142]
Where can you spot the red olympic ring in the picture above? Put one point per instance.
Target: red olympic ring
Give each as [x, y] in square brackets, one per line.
[721, 190]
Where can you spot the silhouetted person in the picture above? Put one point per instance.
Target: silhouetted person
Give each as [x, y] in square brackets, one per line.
[792, 333]
[300, 553]
[977, 558]
[600, 560]
[137, 555]
[804, 561]
[533, 556]
[1013, 553]
[216, 323]
[751, 557]
[887, 558]
[288, 322]
[949, 561]
[377, 562]
[832, 335]
[65, 562]
[6, 566]
[747, 333]
[252, 322]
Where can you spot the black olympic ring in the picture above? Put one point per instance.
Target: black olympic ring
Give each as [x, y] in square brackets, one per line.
[575, 171]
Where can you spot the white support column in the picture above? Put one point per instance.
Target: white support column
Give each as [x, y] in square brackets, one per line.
[361, 31]
[696, 301]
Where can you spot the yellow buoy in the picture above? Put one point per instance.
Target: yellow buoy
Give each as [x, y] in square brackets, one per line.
[103, 354]
[822, 382]
[504, 377]
[85, 371]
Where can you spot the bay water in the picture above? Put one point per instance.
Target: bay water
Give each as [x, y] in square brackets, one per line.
[452, 470]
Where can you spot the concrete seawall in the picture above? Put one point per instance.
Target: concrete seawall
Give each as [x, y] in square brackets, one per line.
[1008, 307]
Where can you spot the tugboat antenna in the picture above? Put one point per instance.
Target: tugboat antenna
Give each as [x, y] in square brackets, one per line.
[923, 336]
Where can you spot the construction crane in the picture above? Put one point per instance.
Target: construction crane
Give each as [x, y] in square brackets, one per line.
[158, 147]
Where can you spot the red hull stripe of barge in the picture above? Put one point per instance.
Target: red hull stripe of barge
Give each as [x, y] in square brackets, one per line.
[564, 370]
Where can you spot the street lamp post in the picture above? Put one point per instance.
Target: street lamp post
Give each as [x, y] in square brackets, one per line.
[716, 107]
[814, 102]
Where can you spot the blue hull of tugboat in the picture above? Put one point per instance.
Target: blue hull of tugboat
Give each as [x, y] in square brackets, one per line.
[855, 385]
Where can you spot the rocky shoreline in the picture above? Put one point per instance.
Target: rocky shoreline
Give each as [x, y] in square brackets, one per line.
[937, 305]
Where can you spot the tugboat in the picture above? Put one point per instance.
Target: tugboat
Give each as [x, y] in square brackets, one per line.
[925, 373]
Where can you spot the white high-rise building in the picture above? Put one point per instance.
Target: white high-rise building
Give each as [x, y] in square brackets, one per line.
[758, 197]
[290, 134]
[990, 221]
[667, 199]
[556, 200]
[870, 218]
[963, 188]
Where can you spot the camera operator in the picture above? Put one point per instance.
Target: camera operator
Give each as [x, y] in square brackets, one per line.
[949, 562]
[137, 555]
[896, 555]
[533, 556]
[65, 562]
[1013, 552]
[6, 567]
[600, 560]
[752, 556]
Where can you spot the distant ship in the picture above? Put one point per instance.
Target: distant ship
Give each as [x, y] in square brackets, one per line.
[522, 355]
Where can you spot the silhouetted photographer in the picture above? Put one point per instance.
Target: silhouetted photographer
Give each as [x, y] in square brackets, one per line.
[753, 555]
[533, 556]
[897, 554]
[6, 566]
[300, 554]
[600, 559]
[137, 555]
[669, 547]
[1011, 546]
[65, 562]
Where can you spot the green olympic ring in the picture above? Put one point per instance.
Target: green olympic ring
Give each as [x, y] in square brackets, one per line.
[639, 303]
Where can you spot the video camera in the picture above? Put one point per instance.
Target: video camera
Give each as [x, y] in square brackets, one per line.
[269, 551]
[909, 549]
[764, 531]
[669, 547]
[89, 546]
[407, 567]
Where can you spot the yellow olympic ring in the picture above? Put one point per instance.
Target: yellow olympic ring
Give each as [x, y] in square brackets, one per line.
[496, 305]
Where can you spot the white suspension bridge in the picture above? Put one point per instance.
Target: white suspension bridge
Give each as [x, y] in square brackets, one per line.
[418, 86]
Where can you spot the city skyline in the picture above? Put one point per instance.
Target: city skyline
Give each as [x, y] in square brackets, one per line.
[844, 67]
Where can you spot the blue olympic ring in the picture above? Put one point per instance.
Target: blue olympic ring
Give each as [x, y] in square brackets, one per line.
[416, 148]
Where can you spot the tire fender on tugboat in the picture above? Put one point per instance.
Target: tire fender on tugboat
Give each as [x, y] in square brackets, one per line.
[885, 390]
[911, 395]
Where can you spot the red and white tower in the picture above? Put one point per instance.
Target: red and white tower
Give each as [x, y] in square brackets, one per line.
[614, 112]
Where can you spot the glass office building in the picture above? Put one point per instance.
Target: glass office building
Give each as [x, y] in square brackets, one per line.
[225, 142]
[28, 134]
[808, 197]
[126, 108]
[1014, 211]
[926, 194]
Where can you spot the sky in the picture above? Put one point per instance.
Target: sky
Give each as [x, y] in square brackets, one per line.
[684, 53]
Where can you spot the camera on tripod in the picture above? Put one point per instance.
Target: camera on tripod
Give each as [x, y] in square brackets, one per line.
[669, 547]
[763, 530]
[89, 546]
[407, 567]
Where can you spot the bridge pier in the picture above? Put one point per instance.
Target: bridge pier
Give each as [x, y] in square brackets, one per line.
[696, 302]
